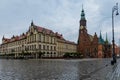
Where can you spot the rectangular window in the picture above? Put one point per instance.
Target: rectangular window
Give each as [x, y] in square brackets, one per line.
[47, 47]
[34, 47]
[40, 37]
[51, 48]
[35, 37]
[43, 38]
[51, 39]
[54, 48]
[54, 40]
[39, 46]
[43, 47]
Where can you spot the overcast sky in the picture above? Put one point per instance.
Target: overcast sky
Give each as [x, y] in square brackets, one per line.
[58, 15]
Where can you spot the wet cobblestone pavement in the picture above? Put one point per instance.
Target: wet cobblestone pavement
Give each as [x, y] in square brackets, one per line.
[59, 69]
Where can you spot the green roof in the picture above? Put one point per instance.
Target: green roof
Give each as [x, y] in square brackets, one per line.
[101, 40]
[82, 15]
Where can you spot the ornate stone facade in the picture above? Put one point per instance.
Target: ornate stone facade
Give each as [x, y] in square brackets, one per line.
[35, 41]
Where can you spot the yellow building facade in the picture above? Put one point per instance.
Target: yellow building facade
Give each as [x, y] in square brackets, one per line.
[35, 41]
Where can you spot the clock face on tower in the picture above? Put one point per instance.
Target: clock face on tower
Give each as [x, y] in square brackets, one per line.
[81, 27]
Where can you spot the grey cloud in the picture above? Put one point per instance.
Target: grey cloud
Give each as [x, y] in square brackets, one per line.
[58, 15]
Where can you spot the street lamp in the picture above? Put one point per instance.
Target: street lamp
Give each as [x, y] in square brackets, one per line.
[115, 8]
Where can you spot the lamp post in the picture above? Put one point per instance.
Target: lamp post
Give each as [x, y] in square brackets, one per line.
[115, 8]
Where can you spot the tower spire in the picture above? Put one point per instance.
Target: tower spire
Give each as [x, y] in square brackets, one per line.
[100, 35]
[3, 37]
[101, 41]
[83, 20]
[106, 38]
[82, 14]
[32, 23]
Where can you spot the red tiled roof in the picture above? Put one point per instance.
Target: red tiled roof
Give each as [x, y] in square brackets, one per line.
[48, 31]
[39, 29]
[15, 38]
[7, 40]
